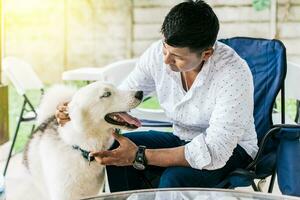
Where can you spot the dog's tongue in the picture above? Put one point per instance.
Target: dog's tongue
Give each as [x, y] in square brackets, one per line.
[129, 119]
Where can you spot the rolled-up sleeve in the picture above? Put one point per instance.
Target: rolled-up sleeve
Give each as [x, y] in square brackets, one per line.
[230, 119]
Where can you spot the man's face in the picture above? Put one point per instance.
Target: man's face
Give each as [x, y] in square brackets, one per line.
[182, 59]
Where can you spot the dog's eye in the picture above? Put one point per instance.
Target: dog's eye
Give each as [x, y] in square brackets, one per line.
[106, 94]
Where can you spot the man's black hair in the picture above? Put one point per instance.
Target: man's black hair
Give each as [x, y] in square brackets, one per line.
[191, 24]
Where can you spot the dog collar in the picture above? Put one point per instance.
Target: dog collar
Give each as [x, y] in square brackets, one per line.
[85, 154]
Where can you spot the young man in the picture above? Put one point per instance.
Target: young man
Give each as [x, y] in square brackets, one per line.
[206, 90]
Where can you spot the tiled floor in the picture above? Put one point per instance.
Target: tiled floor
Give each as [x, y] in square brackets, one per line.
[19, 185]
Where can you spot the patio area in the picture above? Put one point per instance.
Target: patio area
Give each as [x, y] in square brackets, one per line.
[45, 43]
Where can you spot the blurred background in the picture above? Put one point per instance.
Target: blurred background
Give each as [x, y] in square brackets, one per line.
[59, 35]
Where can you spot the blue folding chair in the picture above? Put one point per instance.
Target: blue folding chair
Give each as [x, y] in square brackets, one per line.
[267, 61]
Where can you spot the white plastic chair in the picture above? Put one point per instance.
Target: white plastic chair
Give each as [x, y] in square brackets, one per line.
[116, 72]
[23, 78]
[82, 74]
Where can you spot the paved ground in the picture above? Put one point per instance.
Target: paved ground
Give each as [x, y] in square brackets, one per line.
[20, 186]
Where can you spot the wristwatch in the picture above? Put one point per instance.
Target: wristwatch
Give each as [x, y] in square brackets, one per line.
[140, 161]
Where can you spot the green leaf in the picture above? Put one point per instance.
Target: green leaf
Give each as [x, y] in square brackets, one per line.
[261, 4]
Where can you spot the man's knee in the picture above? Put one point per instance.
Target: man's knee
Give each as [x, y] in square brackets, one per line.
[172, 177]
[189, 177]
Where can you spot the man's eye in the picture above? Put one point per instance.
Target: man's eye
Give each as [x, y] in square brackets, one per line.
[106, 94]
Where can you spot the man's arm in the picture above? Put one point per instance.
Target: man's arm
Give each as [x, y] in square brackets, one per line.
[124, 155]
[166, 157]
[231, 119]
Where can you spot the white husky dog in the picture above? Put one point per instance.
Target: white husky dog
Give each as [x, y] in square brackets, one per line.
[57, 156]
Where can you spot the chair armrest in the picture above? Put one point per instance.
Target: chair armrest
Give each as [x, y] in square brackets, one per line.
[272, 132]
[287, 125]
[154, 123]
[268, 135]
[289, 131]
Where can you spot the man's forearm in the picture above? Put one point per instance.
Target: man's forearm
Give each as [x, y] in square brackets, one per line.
[166, 157]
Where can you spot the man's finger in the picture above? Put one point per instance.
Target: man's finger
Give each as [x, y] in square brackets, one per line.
[62, 107]
[61, 115]
[102, 154]
[63, 122]
[117, 136]
[108, 161]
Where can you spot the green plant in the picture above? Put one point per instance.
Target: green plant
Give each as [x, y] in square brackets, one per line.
[261, 4]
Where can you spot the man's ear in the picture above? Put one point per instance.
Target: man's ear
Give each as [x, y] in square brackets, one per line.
[207, 53]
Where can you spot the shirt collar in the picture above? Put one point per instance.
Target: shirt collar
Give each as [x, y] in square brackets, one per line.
[200, 79]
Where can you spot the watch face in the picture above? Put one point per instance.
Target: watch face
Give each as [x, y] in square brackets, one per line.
[138, 166]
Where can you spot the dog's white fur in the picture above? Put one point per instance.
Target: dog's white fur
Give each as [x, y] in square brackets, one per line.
[59, 170]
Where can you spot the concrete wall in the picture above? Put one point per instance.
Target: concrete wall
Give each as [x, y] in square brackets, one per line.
[57, 35]
[237, 18]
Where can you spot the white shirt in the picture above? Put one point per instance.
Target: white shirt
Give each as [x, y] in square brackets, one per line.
[216, 113]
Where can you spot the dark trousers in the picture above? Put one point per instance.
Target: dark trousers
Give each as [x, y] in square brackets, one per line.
[128, 178]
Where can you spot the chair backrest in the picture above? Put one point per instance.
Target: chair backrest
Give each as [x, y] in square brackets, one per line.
[267, 61]
[21, 74]
[116, 72]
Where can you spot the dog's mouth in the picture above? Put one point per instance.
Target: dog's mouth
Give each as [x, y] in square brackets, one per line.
[123, 119]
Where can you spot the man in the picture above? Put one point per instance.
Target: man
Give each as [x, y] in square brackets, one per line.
[206, 90]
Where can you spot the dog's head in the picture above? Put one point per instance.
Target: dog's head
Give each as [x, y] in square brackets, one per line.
[101, 105]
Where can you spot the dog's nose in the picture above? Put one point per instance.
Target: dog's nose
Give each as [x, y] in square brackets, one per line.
[139, 95]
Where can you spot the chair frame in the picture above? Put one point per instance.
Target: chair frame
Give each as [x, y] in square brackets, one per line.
[11, 66]
[248, 171]
[22, 118]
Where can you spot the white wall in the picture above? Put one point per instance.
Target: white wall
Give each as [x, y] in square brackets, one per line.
[237, 18]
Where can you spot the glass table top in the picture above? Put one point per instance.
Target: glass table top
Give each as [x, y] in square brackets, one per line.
[189, 194]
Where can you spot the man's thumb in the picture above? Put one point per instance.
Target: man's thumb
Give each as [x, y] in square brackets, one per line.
[117, 136]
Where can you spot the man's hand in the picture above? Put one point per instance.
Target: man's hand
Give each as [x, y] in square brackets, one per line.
[62, 113]
[124, 155]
